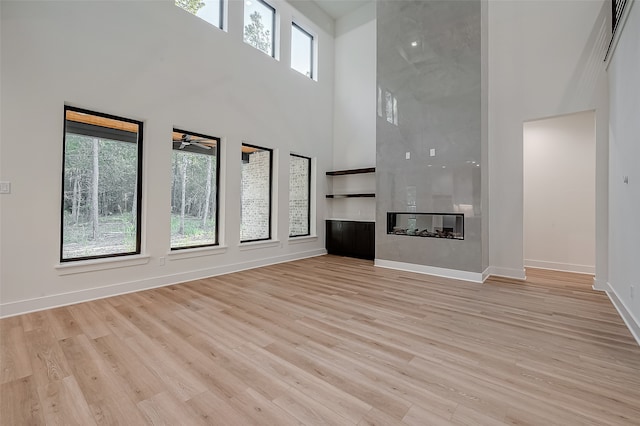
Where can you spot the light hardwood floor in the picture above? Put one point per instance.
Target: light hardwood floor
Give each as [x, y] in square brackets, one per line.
[327, 340]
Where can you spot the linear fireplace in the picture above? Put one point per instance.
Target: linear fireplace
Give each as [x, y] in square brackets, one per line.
[430, 225]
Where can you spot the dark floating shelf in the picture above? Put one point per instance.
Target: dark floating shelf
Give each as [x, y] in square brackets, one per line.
[352, 172]
[367, 195]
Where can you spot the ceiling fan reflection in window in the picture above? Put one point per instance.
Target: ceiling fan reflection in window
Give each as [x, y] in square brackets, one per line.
[186, 140]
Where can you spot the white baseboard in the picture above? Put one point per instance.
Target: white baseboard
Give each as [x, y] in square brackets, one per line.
[476, 277]
[555, 266]
[599, 285]
[516, 274]
[486, 273]
[47, 302]
[627, 316]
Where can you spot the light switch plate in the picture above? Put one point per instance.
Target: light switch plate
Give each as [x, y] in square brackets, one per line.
[5, 187]
[432, 152]
[407, 156]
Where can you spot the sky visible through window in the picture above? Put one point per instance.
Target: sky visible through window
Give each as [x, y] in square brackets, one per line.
[301, 51]
[210, 12]
[258, 25]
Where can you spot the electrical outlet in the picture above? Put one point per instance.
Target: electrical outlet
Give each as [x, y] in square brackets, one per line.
[161, 261]
[5, 187]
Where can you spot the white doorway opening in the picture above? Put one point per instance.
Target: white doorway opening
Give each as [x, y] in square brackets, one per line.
[560, 192]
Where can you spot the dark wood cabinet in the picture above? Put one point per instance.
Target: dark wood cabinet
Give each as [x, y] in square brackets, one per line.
[351, 238]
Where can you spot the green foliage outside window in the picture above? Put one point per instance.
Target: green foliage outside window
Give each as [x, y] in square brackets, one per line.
[99, 219]
[257, 35]
[192, 6]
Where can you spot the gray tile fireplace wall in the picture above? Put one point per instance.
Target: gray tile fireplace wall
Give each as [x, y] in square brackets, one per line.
[432, 127]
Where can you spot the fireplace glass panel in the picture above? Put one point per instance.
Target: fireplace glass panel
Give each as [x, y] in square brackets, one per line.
[429, 225]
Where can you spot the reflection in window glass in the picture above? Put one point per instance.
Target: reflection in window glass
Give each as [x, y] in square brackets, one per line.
[259, 25]
[388, 106]
[101, 186]
[301, 50]
[255, 194]
[395, 111]
[194, 190]
[299, 195]
[209, 10]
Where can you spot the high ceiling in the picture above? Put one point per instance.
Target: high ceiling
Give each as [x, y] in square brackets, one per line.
[339, 8]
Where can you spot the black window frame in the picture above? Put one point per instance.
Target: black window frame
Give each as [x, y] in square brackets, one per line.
[106, 133]
[217, 213]
[291, 154]
[221, 27]
[273, 28]
[311, 51]
[270, 236]
[617, 9]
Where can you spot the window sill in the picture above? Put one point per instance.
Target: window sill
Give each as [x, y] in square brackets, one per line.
[196, 252]
[305, 239]
[83, 266]
[344, 219]
[258, 245]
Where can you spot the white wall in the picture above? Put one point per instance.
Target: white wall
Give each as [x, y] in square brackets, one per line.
[153, 62]
[354, 108]
[354, 113]
[624, 198]
[560, 192]
[545, 59]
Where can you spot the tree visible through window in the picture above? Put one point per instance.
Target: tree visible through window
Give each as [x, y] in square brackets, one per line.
[194, 190]
[101, 186]
[259, 25]
[209, 10]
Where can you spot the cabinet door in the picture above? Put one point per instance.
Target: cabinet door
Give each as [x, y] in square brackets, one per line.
[364, 240]
[371, 233]
[330, 237]
[334, 237]
[349, 238]
[370, 252]
[354, 239]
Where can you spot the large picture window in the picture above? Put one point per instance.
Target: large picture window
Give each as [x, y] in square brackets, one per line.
[301, 50]
[299, 195]
[255, 194]
[194, 190]
[101, 186]
[260, 26]
[211, 11]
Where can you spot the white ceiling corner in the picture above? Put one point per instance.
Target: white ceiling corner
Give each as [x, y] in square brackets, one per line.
[339, 8]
